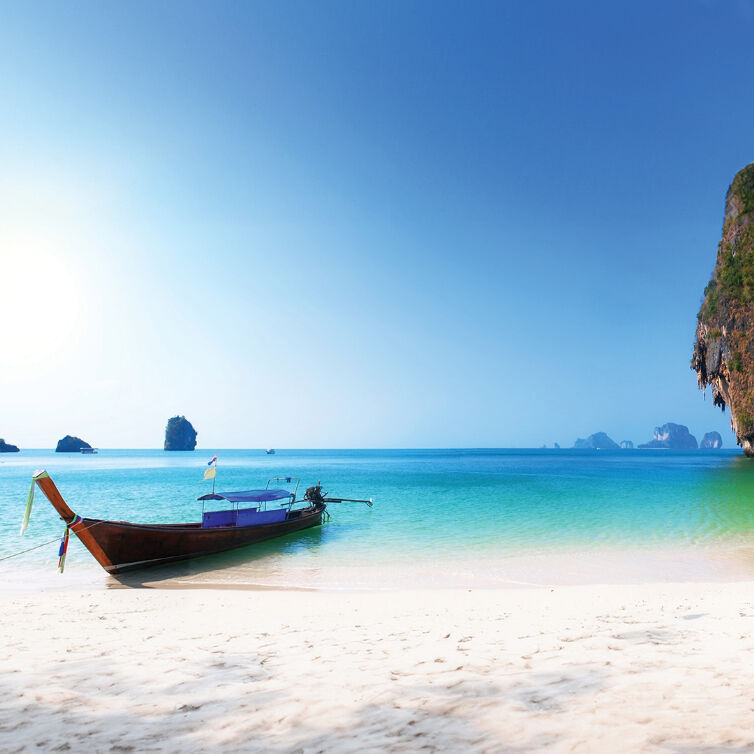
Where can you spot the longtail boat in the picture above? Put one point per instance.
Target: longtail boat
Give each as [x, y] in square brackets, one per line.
[120, 546]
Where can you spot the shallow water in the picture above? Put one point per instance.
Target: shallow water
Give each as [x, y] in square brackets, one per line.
[445, 517]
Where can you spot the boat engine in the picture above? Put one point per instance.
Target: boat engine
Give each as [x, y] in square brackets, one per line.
[314, 494]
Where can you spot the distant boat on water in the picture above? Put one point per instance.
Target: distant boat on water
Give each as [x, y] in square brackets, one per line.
[270, 451]
[88, 451]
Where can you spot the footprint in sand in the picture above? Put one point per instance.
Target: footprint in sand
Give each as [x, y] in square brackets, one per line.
[651, 636]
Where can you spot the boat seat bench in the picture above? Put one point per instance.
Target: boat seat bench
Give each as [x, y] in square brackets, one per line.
[243, 517]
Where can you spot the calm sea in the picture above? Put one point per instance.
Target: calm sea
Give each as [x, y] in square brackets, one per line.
[440, 517]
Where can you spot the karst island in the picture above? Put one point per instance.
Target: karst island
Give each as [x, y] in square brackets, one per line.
[179, 434]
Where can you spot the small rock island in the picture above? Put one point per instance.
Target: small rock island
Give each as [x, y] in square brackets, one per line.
[724, 348]
[70, 444]
[180, 434]
[711, 441]
[597, 441]
[6, 447]
[626, 444]
[673, 437]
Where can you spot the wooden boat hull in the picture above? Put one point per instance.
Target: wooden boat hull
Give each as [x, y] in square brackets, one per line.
[120, 546]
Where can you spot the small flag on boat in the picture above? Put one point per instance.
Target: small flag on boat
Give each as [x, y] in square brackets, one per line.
[209, 473]
[214, 460]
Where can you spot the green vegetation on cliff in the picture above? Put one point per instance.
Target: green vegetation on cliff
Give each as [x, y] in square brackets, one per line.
[733, 279]
[724, 349]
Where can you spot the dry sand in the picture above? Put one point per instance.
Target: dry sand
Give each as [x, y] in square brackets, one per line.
[655, 667]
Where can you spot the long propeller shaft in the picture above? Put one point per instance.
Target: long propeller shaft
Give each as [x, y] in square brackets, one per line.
[347, 500]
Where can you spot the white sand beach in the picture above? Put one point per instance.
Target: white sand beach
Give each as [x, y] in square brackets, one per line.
[620, 668]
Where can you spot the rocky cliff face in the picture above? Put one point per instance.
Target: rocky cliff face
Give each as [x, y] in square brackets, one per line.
[180, 434]
[711, 440]
[598, 441]
[724, 349]
[71, 444]
[674, 436]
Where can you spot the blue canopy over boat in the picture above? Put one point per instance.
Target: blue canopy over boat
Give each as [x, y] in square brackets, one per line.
[249, 496]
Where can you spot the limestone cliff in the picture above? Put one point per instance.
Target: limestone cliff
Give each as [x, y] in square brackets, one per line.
[724, 349]
[672, 436]
[711, 441]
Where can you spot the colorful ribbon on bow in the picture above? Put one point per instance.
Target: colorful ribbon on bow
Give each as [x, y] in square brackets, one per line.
[63, 551]
[41, 474]
[29, 503]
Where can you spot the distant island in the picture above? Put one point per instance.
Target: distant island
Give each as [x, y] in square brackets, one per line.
[180, 434]
[711, 440]
[70, 444]
[626, 444]
[672, 436]
[597, 441]
[6, 447]
[724, 349]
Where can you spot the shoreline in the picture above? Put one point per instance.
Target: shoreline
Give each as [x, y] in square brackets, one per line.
[594, 566]
[650, 667]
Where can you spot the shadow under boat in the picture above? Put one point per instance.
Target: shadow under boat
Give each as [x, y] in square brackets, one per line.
[161, 576]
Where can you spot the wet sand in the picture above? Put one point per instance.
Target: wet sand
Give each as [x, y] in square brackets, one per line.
[650, 667]
[556, 567]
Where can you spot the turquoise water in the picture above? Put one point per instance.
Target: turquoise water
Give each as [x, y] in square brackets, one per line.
[433, 509]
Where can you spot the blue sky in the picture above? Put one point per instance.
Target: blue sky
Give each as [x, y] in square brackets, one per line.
[363, 224]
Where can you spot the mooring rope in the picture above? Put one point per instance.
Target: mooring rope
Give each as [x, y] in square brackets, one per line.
[36, 547]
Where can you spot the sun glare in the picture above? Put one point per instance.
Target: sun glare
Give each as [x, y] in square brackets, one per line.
[41, 299]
